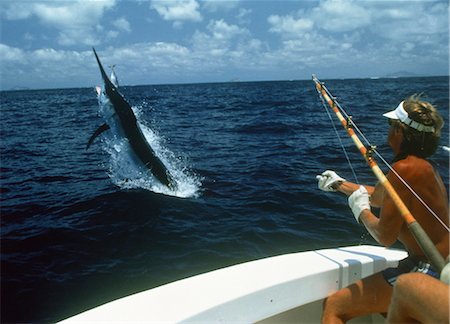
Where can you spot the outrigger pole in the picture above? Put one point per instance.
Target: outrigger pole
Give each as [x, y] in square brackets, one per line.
[416, 230]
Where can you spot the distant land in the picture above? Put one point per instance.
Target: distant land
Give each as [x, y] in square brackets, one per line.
[401, 74]
[19, 88]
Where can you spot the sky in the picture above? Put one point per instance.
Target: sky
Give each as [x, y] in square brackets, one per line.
[48, 44]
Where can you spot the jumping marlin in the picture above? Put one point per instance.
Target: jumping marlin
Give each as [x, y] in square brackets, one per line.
[119, 116]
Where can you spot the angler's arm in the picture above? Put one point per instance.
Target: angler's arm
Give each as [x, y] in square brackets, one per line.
[331, 181]
[376, 193]
[347, 188]
[384, 230]
[371, 222]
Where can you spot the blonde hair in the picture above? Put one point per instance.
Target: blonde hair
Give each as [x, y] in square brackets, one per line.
[416, 142]
[424, 113]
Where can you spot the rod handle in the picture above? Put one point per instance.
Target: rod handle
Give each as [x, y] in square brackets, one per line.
[427, 246]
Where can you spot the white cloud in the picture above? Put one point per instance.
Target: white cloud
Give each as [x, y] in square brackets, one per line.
[378, 37]
[111, 34]
[10, 55]
[225, 48]
[49, 54]
[122, 24]
[243, 15]
[17, 10]
[432, 22]
[178, 11]
[390, 35]
[76, 20]
[28, 37]
[335, 16]
[39, 68]
[217, 45]
[144, 60]
[222, 30]
[342, 15]
[288, 25]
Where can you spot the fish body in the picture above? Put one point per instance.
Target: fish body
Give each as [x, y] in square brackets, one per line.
[119, 117]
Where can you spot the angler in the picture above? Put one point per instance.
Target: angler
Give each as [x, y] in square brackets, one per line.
[414, 134]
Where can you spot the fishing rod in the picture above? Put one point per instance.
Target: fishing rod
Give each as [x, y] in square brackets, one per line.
[424, 241]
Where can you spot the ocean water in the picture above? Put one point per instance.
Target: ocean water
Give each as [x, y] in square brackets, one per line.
[80, 227]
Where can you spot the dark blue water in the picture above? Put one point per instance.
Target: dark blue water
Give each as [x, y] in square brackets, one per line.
[72, 239]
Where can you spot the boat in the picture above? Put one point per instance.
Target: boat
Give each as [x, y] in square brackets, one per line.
[282, 289]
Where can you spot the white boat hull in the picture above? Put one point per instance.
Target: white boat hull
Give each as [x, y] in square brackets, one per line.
[271, 290]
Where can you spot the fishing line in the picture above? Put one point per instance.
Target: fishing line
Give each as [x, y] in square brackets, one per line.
[412, 191]
[373, 149]
[422, 238]
[339, 138]
[415, 194]
[344, 113]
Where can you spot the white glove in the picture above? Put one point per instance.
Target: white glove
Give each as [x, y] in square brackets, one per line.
[328, 179]
[358, 201]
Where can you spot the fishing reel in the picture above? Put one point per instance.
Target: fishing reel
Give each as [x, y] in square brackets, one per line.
[349, 122]
[369, 153]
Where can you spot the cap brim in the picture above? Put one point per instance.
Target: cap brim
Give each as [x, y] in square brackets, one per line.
[391, 115]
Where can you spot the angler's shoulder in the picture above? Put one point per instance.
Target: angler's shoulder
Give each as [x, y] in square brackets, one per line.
[413, 166]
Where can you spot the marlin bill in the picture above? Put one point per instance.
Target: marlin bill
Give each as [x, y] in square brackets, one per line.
[120, 119]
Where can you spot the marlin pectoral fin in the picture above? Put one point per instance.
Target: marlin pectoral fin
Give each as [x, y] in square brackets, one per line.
[99, 130]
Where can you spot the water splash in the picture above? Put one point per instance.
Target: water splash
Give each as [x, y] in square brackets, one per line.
[126, 173]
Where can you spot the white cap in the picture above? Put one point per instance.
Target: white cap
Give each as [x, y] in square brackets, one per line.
[400, 114]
